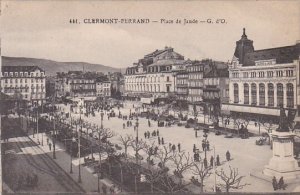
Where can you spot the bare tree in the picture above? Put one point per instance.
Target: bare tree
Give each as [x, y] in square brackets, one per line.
[149, 149]
[199, 169]
[232, 180]
[153, 175]
[182, 162]
[164, 155]
[126, 142]
[138, 145]
[171, 185]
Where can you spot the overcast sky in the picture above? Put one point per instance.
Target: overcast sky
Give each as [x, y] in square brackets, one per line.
[42, 30]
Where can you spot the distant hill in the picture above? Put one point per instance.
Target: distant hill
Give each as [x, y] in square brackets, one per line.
[51, 67]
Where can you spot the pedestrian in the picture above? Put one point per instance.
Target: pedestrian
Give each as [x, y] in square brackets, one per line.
[196, 133]
[145, 134]
[211, 161]
[170, 146]
[178, 147]
[207, 145]
[228, 155]
[281, 184]
[173, 147]
[162, 141]
[148, 134]
[149, 124]
[157, 132]
[123, 125]
[194, 148]
[104, 189]
[218, 160]
[50, 146]
[274, 183]
[158, 138]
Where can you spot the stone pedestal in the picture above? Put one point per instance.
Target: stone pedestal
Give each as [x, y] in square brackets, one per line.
[283, 163]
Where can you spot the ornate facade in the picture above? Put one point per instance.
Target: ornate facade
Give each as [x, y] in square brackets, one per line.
[154, 75]
[25, 82]
[263, 79]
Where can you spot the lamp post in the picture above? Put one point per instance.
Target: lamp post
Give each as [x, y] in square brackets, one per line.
[79, 168]
[37, 123]
[205, 143]
[100, 168]
[71, 153]
[102, 114]
[54, 137]
[137, 139]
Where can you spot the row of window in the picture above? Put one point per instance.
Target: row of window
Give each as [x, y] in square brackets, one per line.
[195, 84]
[195, 76]
[261, 74]
[262, 95]
[194, 68]
[21, 80]
[146, 88]
[145, 79]
[25, 74]
[25, 90]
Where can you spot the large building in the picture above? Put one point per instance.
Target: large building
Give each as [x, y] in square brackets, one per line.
[195, 85]
[25, 82]
[216, 86]
[154, 75]
[263, 81]
[75, 83]
[103, 88]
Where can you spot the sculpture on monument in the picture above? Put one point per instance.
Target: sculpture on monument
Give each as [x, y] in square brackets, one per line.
[283, 122]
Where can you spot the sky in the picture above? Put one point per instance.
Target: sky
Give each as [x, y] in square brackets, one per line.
[41, 29]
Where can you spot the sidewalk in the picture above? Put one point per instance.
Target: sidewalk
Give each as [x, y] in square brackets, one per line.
[89, 180]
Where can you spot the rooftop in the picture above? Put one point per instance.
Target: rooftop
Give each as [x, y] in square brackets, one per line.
[20, 68]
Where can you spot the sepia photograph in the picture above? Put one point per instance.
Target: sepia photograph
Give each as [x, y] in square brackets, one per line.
[150, 97]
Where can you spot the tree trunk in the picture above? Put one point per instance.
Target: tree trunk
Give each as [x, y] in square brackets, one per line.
[201, 185]
[152, 187]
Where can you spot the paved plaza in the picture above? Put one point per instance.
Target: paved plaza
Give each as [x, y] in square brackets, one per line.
[246, 155]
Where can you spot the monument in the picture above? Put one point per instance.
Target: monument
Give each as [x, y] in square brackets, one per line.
[283, 164]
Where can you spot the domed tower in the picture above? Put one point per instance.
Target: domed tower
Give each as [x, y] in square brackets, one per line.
[243, 46]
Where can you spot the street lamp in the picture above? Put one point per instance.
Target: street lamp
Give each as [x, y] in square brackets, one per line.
[137, 139]
[71, 153]
[79, 168]
[205, 142]
[54, 136]
[102, 114]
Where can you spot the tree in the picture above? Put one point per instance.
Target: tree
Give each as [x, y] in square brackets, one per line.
[149, 149]
[153, 175]
[138, 145]
[164, 155]
[182, 162]
[171, 185]
[126, 141]
[232, 180]
[199, 169]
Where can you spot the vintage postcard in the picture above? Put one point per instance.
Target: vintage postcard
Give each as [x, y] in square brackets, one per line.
[150, 97]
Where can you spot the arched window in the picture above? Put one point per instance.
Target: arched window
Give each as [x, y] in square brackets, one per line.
[279, 95]
[270, 94]
[261, 94]
[236, 92]
[246, 93]
[253, 94]
[290, 95]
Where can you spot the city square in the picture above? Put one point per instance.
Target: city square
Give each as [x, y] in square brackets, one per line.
[150, 98]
